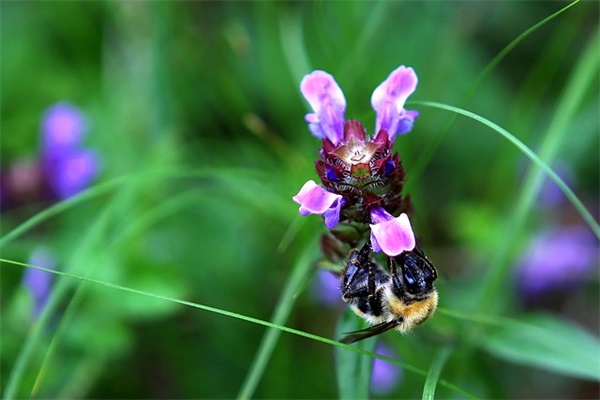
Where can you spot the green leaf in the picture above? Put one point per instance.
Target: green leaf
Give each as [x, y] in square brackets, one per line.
[353, 369]
[548, 343]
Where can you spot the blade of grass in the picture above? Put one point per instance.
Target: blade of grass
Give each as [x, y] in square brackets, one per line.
[148, 175]
[581, 209]
[280, 316]
[579, 84]
[161, 211]
[61, 207]
[127, 183]
[246, 318]
[353, 370]
[59, 292]
[417, 168]
[435, 369]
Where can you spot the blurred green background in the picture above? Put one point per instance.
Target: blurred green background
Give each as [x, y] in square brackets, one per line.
[196, 107]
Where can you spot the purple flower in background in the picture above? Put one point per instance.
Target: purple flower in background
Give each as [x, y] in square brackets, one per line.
[326, 288]
[558, 258]
[550, 194]
[37, 282]
[63, 128]
[385, 377]
[69, 168]
[391, 235]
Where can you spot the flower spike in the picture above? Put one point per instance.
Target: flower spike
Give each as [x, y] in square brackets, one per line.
[313, 199]
[328, 103]
[388, 102]
[391, 235]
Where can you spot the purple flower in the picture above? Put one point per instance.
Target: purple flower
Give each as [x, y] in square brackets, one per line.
[313, 199]
[69, 168]
[63, 128]
[558, 258]
[328, 102]
[388, 102]
[38, 282]
[327, 288]
[385, 377]
[391, 235]
[71, 172]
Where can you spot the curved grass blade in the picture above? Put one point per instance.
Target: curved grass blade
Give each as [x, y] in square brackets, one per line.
[58, 208]
[246, 318]
[432, 146]
[179, 172]
[435, 369]
[63, 286]
[353, 370]
[581, 209]
[60, 290]
[280, 316]
[161, 211]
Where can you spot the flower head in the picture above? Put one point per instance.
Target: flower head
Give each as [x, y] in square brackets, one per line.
[362, 169]
[69, 168]
[391, 235]
[313, 199]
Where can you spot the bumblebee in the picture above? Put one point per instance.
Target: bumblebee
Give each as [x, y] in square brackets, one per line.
[401, 299]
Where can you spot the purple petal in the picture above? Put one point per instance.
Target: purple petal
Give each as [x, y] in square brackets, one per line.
[391, 235]
[405, 124]
[313, 199]
[38, 282]
[328, 103]
[63, 127]
[72, 172]
[388, 102]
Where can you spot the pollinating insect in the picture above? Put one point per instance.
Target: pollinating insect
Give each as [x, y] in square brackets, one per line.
[399, 299]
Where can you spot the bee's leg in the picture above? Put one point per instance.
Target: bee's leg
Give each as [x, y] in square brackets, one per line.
[396, 281]
[374, 297]
[364, 253]
[392, 266]
[354, 273]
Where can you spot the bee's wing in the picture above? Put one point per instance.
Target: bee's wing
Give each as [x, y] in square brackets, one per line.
[368, 332]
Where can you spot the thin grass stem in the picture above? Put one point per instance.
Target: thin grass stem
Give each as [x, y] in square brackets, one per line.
[246, 318]
[435, 369]
[417, 168]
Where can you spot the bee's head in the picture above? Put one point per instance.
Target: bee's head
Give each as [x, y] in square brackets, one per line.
[415, 277]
